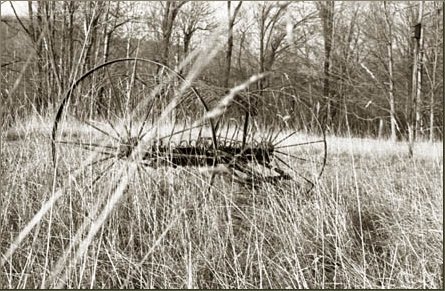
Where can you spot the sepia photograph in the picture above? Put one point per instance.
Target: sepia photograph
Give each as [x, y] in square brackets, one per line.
[221, 144]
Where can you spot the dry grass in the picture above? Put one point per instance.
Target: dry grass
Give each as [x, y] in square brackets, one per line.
[375, 220]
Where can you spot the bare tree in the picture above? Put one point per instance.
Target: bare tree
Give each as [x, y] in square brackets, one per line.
[194, 17]
[433, 78]
[326, 10]
[229, 50]
[170, 11]
[269, 18]
[416, 79]
[389, 45]
[347, 49]
[115, 17]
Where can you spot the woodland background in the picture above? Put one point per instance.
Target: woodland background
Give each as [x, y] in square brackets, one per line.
[375, 68]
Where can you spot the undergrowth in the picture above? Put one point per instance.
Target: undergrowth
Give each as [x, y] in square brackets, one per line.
[372, 221]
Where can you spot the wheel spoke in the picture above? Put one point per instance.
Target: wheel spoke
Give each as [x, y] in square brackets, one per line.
[133, 111]
[125, 116]
[140, 136]
[110, 124]
[102, 173]
[130, 90]
[299, 144]
[116, 94]
[276, 136]
[181, 131]
[100, 130]
[98, 161]
[119, 95]
[301, 159]
[282, 140]
[92, 163]
[84, 144]
[293, 170]
[292, 156]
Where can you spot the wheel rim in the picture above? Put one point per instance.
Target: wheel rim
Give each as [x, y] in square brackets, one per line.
[91, 118]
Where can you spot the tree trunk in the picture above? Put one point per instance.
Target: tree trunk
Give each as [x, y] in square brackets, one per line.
[415, 83]
[433, 81]
[327, 17]
[419, 126]
[232, 18]
[170, 12]
[392, 111]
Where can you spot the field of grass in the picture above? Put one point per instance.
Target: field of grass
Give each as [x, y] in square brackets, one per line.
[374, 220]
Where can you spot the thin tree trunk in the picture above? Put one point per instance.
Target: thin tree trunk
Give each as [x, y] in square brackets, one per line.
[415, 83]
[419, 126]
[241, 43]
[391, 77]
[433, 82]
[170, 13]
[231, 23]
[327, 15]
[107, 35]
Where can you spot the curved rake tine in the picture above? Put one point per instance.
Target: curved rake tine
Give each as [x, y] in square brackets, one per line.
[293, 170]
[219, 136]
[199, 134]
[218, 123]
[237, 133]
[227, 133]
[299, 144]
[171, 133]
[234, 132]
[182, 132]
[245, 127]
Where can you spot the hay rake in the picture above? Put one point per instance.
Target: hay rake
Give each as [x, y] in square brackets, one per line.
[134, 103]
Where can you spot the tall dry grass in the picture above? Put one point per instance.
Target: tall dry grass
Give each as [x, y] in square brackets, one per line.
[375, 220]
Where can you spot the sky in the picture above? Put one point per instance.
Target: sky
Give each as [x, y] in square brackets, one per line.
[21, 7]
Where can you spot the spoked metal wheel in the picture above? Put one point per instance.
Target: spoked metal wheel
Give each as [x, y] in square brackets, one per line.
[119, 106]
[286, 141]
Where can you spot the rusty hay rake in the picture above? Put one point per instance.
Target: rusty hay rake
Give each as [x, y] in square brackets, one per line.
[133, 104]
